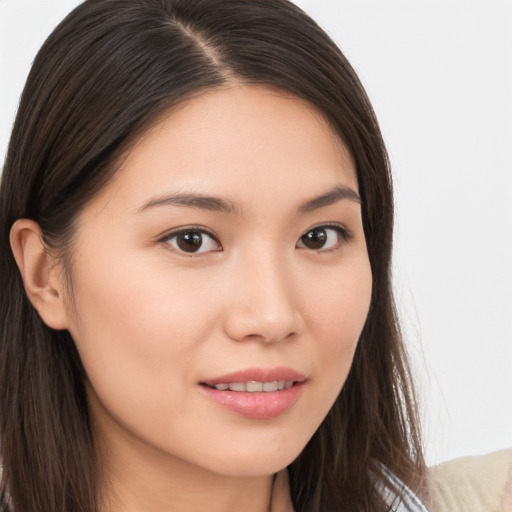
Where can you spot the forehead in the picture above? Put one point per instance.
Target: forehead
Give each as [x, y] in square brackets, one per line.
[240, 142]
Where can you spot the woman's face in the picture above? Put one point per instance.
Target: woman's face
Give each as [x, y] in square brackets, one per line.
[220, 284]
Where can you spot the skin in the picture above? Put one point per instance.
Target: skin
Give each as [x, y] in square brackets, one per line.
[151, 322]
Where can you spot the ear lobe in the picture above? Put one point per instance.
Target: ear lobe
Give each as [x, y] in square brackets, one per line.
[39, 272]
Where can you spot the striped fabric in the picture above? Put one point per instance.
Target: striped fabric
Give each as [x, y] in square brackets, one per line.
[399, 497]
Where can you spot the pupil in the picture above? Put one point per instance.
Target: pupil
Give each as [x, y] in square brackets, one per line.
[190, 241]
[315, 239]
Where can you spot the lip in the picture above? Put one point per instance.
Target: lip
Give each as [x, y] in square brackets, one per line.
[256, 405]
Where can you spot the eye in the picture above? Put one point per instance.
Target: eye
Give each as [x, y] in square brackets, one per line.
[322, 238]
[192, 241]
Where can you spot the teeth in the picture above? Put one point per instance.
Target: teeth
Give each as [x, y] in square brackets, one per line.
[237, 386]
[270, 386]
[253, 386]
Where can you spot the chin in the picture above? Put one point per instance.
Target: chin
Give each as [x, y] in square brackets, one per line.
[256, 462]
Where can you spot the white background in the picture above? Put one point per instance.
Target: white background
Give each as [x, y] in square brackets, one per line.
[439, 74]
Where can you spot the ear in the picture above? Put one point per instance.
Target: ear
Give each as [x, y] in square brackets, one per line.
[40, 273]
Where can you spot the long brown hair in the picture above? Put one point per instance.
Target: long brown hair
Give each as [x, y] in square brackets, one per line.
[105, 73]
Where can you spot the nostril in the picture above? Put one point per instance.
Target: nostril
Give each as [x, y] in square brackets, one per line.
[282, 338]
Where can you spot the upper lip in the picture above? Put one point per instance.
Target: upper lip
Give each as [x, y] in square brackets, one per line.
[258, 375]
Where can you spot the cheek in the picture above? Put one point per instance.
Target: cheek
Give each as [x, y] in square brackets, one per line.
[337, 311]
[138, 334]
[135, 302]
[339, 304]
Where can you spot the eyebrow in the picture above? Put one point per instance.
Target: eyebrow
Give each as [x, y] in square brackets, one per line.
[332, 196]
[199, 201]
[216, 204]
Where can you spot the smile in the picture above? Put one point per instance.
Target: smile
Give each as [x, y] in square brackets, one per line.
[253, 386]
[256, 393]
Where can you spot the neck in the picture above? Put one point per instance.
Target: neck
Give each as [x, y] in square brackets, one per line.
[138, 478]
[163, 493]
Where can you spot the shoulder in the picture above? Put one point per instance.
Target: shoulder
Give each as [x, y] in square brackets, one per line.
[474, 484]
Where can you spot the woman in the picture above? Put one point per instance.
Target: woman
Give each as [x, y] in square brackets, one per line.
[197, 231]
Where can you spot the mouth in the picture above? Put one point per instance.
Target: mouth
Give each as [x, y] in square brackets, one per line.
[256, 393]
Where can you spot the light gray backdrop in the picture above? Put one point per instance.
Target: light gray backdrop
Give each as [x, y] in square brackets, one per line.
[439, 74]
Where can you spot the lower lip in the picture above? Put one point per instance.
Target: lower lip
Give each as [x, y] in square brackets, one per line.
[258, 405]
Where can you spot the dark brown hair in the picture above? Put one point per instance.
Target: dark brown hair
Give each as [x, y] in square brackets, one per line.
[102, 77]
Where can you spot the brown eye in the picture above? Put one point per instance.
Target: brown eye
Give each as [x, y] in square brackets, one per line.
[322, 238]
[193, 241]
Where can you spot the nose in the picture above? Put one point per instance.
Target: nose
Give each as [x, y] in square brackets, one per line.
[264, 302]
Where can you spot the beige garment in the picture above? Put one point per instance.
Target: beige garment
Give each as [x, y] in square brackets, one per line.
[474, 484]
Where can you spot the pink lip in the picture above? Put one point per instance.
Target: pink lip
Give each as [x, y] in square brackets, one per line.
[259, 405]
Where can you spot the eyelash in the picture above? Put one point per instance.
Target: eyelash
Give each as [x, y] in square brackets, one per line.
[344, 234]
